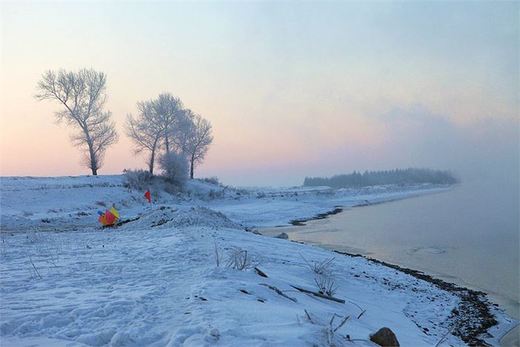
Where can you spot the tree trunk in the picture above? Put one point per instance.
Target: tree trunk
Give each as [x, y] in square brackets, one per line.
[191, 166]
[167, 144]
[152, 154]
[152, 159]
[92, 154]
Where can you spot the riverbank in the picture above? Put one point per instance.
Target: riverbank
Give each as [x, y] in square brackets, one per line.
[474, 320]
[376, 231]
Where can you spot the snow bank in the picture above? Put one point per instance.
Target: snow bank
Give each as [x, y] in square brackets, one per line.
[165, 217]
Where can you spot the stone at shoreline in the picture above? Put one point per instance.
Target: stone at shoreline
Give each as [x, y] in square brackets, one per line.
[282, 236]
[384, 337]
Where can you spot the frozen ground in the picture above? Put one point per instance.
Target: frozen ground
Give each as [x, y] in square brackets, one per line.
[155, 280]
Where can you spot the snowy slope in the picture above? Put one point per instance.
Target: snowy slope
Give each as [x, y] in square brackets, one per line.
[155, 280]
[70, 203]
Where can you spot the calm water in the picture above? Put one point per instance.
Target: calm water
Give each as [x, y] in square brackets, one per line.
[469, 235]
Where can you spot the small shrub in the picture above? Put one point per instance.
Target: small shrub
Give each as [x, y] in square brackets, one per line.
[260, 195]
[239, 260]
[326, 283]
[215, 194]
[171, 188]
[324, 276]
[175, 168]
[211, 180]
[320, 267]
[137, 179]
[330, 330]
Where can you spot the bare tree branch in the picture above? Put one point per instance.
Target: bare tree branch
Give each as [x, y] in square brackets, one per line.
[200, 140]
[83, 96]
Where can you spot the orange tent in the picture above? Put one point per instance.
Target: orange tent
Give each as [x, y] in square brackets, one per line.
[110, 217]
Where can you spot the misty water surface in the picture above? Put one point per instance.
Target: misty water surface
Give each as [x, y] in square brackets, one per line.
[469, 235]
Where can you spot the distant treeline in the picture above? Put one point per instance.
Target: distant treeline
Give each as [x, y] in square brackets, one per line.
[372, 178]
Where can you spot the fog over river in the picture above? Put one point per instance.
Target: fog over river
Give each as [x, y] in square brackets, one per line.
[468, 235]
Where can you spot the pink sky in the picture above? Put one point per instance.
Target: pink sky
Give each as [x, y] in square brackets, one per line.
[291, 91]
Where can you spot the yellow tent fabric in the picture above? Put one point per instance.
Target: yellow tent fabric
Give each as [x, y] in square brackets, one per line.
[114, 212]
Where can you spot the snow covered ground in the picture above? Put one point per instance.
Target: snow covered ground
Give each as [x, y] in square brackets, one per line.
[155, 280]
[70, 203]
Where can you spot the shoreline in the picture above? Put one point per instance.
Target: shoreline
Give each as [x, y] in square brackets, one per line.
[340, 208]
[475, 305]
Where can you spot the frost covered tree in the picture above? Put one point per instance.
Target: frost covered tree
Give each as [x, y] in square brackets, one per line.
[164, 125]
[161, 124]
[184, 131]
[82, 95]
[199, 140]
[175, 167]
[168, 111]
[145, 131]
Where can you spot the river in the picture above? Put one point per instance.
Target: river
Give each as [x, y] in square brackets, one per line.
[468, 235]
